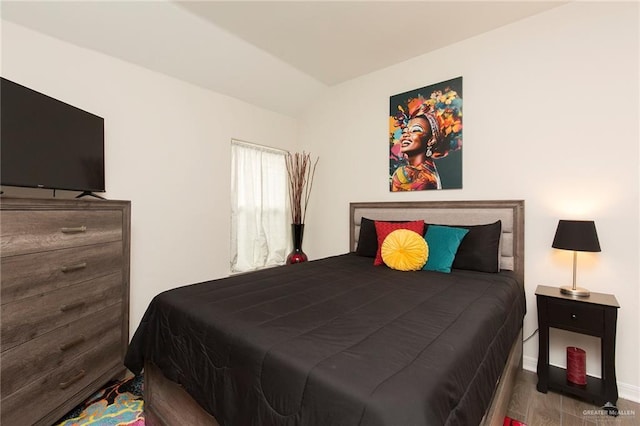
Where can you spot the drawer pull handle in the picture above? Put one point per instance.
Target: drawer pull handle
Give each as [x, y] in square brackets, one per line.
[66, 346]
[72, 380]
[71, 268]
[573, 316]
[65, 308]
[74, 230]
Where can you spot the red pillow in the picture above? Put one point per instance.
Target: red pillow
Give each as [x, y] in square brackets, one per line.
[385, 228]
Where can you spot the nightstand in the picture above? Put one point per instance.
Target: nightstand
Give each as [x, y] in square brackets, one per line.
[595, 315]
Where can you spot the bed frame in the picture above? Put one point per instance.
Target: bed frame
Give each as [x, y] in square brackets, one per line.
[168, 404]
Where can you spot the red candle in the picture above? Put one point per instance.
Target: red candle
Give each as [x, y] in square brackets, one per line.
[576, 366]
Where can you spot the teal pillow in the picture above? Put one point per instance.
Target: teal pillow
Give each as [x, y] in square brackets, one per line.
[443, 242]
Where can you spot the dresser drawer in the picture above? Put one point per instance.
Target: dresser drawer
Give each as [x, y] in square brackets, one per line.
[33, 401]
[25, 363]
[576, 316]
[33, 316]
[25, 231]
[33, 274]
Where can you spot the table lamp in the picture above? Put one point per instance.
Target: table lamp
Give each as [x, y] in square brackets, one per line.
[576, 235]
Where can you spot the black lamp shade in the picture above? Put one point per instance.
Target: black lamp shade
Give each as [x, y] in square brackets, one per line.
[578, 235]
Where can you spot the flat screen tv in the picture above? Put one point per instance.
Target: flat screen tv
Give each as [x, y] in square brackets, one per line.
[46, 143]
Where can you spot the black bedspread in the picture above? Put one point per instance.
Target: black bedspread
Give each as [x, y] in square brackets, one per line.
[336, 341]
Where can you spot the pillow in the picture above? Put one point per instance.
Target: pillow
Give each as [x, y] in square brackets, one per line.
[385, 228]
[368, 239]
[480, 248]
[404, 250]
[443, 242]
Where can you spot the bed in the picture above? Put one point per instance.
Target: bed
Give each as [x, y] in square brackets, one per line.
[338, 341]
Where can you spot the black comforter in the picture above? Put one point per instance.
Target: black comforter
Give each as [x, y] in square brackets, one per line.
[336, 341]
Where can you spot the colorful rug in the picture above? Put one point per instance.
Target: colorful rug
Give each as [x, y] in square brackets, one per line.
[118, 404]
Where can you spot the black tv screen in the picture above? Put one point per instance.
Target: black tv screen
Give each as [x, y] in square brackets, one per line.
[46, 143]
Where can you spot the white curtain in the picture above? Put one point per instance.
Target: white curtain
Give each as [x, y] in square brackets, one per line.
[259, 222]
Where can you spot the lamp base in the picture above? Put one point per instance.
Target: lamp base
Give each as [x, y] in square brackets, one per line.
[576, 292]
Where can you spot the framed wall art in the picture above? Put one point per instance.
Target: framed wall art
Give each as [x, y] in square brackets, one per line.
[425, 138]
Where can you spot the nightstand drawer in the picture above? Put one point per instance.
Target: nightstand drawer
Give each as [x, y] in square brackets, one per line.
[575, 316]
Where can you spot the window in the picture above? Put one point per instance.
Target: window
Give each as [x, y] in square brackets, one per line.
[259, 226]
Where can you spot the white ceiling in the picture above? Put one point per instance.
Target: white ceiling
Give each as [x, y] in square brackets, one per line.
[274, 54]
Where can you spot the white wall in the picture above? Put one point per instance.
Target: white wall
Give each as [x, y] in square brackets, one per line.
[167, 147]
[550, 116]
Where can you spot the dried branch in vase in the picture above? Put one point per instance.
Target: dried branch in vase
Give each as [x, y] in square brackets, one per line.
[300, 171]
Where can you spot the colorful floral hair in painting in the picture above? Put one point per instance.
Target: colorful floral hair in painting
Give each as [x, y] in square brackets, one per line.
[443, 111]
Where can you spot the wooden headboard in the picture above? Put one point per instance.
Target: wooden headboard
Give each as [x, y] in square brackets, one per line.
[510, 212]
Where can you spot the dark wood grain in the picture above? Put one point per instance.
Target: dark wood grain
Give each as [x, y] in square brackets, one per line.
[64, 303]
[38, 273]
[168, 404]
[35, 231]
[506, 385]
[38, 398]
[32, 317]
[25, 363]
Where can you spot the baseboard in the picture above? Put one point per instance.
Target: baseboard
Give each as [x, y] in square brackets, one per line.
[530, 363]
[629, 392]
[625, 390]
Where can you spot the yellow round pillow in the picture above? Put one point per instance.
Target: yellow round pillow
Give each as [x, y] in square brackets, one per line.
[404, 250]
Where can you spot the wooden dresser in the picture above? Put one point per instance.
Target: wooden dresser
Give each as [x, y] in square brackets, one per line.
[64, 303]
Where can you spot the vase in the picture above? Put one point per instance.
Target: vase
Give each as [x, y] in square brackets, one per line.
[297, 255]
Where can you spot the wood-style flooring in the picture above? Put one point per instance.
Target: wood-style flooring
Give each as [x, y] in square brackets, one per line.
[537, 409]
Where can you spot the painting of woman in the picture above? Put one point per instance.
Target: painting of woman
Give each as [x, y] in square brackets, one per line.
[423, 131]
